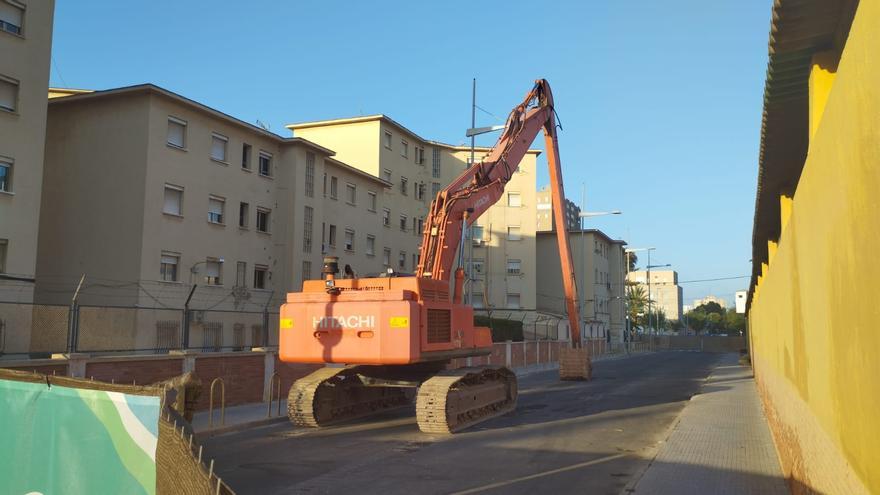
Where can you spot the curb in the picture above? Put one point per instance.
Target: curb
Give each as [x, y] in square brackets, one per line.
[239, 427]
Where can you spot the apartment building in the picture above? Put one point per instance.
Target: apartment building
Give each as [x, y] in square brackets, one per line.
[501, 247]
[25, 51]
[546, 221]
[148, 193]
[599, 270]
[665, 292]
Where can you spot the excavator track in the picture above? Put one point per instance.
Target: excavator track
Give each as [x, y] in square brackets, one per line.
[457, 399]
[334, 395]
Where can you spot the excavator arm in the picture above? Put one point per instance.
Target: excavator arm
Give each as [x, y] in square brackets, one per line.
[482, 185]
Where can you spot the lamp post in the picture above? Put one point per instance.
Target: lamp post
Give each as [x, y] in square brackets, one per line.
[581, 216]
[637, 250]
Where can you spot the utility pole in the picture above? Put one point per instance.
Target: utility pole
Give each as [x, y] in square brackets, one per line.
[470, 265]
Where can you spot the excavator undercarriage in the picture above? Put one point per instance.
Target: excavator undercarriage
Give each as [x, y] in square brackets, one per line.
[446, 400]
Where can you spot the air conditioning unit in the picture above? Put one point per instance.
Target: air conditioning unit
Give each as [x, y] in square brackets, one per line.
[197, 316]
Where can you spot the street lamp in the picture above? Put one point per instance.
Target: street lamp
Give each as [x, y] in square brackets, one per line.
[582, 215]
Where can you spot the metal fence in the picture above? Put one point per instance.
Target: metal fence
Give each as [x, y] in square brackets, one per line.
[39, 330]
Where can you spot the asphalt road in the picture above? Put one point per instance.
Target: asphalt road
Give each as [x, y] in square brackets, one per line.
[564, 437]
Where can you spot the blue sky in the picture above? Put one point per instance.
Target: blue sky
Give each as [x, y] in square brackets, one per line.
[660, 102]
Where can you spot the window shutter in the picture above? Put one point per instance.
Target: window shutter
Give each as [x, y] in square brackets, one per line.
[169, 260]
[218, 148]
[175, 133]
[172, 201]
[215, 206]
[10, 14]
[8, 93]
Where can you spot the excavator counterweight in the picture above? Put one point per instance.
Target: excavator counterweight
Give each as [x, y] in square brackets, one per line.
[396, 335]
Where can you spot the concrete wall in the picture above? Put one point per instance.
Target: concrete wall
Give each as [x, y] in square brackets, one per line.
[25, 60]
[813, 317]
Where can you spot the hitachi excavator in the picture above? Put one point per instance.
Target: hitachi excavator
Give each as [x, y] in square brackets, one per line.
[393, 337]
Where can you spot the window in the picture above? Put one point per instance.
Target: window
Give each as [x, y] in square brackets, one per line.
[514, 200]
[349, 240]
[334, 187]
[435, 163]
[310, 175]
[401, 260]
[418, 225]
[371, 245]
[307, 229]
[513, 267]
[420, 191]
[4, 244]
[371, 201]
[420, 155]
[403, 185]
[477, 232]
[263, 220]
[218, 147]
[403, 223]
[307, 270]
[351, 194]
[325, 184]
[386, 257]
[5, 175]
[474, 268]
[213, 271]
[215, 209]
[477, 300]
[8, 92]
[513, 301]
[167, 267]
[265, 164]
[332, 238]
[415, 262]
[404, 149]
[240, 273]
[261, 273]
[388, 140]
[386, 175]
[176, 132]
[173, 200]
[435, 190]
[246, 156]
[243, 214]
[11, 17]
[513, 234]
[386, 217]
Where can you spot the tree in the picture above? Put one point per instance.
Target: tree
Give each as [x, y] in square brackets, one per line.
[632, 259]
[637, 302]
[734, 323]
[696, 321]
[710, 307]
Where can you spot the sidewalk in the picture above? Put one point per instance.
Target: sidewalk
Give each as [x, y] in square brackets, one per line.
[721, 443]
[238, 418]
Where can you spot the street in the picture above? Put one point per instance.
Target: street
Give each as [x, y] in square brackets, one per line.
[564, 437]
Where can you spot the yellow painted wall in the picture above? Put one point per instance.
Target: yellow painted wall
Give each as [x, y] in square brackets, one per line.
[814, 320]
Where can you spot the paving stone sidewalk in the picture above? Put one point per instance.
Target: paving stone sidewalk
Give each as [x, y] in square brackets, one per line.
[721, 443]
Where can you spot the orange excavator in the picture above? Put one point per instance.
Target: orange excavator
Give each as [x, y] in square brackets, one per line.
[393, 337]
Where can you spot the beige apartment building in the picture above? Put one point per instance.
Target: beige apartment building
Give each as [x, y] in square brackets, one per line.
[544, 206]
[599, 270]
[25, 51]
[148, 193]
[665, 292]
[501, 245]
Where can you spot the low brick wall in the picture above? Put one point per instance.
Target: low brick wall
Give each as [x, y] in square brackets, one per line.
[242, 377]
[138, 370]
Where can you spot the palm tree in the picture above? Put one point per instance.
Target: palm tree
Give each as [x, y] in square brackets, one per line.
[637, 303]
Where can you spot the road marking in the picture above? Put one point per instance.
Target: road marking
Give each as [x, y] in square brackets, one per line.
[541, 475]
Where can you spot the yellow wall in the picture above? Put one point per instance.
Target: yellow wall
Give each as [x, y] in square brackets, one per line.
[814, 318]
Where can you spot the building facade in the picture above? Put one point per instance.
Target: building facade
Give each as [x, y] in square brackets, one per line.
[600, 273]
[148, 194]
[500, 252]
[544, 206]
[664, 291]
[25, 51]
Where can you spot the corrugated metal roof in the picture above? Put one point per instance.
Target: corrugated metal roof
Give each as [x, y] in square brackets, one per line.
[798, 30]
